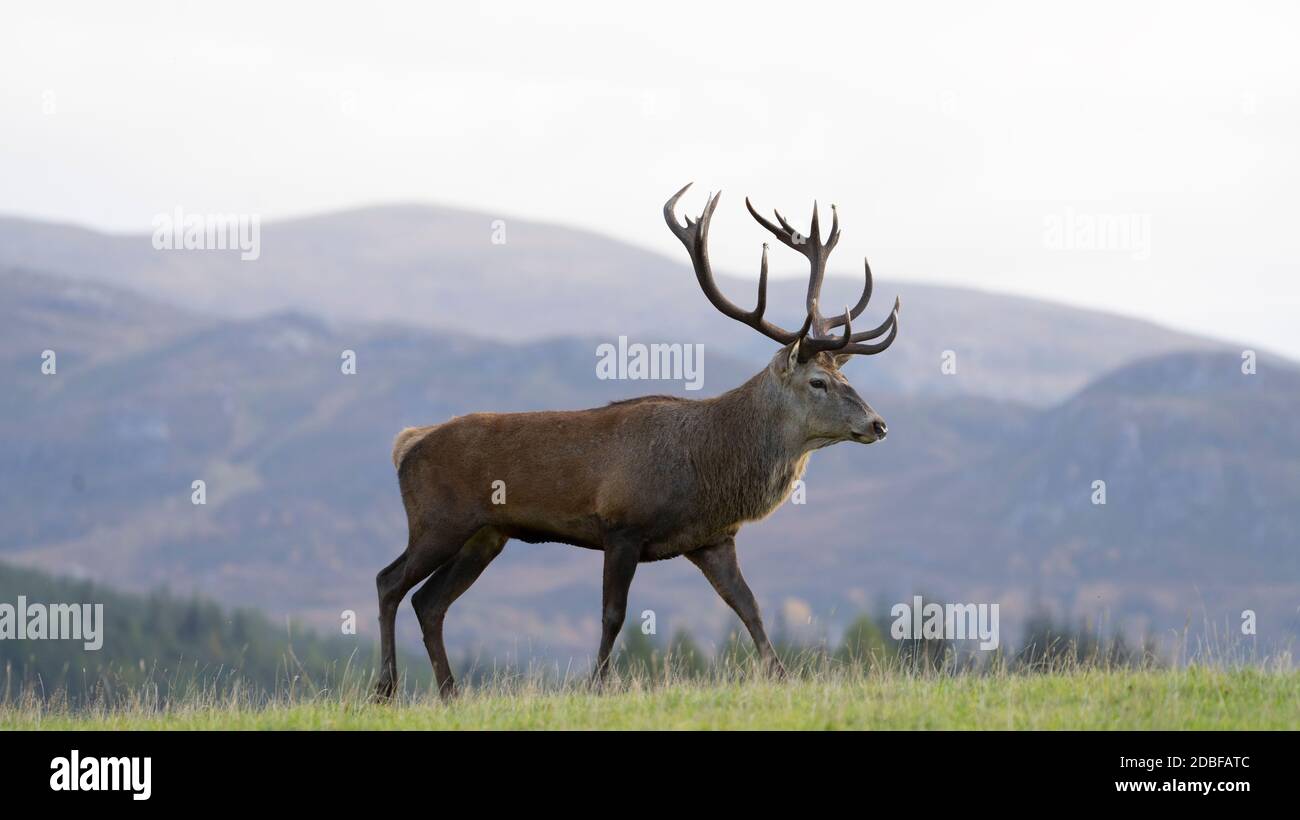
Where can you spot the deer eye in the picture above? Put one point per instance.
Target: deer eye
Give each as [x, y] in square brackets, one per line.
[817, 384]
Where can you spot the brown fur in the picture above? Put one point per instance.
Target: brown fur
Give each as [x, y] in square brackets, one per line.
[687, 470]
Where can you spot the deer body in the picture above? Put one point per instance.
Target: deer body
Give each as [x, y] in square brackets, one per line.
[681, 473]
[642, 480]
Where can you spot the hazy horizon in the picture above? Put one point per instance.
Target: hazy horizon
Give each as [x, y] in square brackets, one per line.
[1135, 160]
[740, 295]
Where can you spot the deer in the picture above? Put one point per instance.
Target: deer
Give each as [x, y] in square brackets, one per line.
[643, 479]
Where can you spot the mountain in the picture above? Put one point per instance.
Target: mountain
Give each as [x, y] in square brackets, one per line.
[439, 269]
[972, 498]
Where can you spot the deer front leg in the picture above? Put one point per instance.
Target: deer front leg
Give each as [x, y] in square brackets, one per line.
[719, 564]
[621, 557]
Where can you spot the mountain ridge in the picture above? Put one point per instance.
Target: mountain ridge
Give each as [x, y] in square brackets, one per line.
[437, 269]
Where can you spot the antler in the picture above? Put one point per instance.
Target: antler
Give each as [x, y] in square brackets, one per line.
[814, 336]
[695, 236]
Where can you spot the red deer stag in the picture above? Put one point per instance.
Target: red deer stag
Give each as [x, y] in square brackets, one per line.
[643, 479]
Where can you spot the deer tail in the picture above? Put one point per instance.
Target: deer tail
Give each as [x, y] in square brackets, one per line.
[405, 441]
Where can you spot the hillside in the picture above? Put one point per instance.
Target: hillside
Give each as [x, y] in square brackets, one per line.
[971, 498]
[1200, 521]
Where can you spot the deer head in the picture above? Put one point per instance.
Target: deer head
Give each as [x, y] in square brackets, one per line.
[816, 400]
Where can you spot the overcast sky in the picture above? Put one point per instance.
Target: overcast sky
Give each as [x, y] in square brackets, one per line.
[1136, 157]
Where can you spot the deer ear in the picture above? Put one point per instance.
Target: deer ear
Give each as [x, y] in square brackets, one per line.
[790, 358]
[842, 359]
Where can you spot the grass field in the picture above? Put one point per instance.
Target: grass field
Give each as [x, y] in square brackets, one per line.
[1191, 698]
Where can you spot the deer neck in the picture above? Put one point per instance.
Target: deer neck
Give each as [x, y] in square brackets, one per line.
[752, 455]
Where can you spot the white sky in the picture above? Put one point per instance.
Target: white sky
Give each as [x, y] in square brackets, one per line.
[949, 134]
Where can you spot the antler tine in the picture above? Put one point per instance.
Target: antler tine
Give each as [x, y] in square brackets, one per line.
[785, 233]
[670, 208]
[785, 225]
[879, 330]
[866, 292]
[695, 236]
[834, 238]
[872, 349]
[817, 256]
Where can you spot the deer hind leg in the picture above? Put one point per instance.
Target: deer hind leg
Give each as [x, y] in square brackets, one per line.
[424, 555]
[432, 600]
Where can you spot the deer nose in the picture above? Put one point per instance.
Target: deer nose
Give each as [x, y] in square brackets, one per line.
[879, 428]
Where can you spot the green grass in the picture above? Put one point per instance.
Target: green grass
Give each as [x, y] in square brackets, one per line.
[1190, 698]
